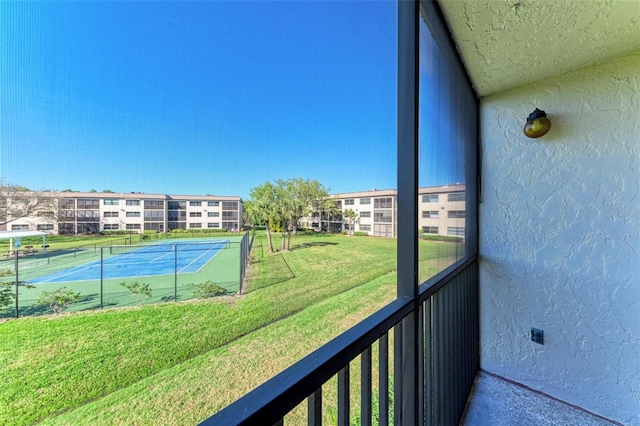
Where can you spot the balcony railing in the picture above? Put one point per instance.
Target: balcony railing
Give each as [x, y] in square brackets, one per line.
[446, 350]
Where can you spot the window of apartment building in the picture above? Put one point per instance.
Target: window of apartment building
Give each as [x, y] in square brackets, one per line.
[195, 203]
[229, 205]
[456, 214]
[383, 216]
[213, 214]
[111, 226]
[430, 198]
[153, 216]
[349, 202]
[195, 214]
[195, 225]
[132, 202]
[88, 228]
[365, 215]
[455, 230]
[177, 205]
[431, 214]
[339, 205]
[133, 226]
[365, 201]
[67, 203]
[19, 227]
[430, 229]
[177, 215]
[133, 214]
[154, 204]
[176, 225]
[110, 214]
[456, 196]
[88, 215]
[213, 225]
[365, 227]
[45, 227]
[154, 226]
[66, 228]
[230, 215]
[110, 201]
[213, 203]
[67, 215]
[382, 203]
[230, 225]
[88, 204]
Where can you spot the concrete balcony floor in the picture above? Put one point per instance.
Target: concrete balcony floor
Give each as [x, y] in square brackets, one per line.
[498, 402]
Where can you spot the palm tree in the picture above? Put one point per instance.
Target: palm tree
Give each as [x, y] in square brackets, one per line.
[351, 216]
[262, 208]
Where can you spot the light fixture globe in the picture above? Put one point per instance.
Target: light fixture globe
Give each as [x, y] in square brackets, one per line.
[537, 124]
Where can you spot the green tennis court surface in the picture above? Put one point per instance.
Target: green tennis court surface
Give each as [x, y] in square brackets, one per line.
[172, 269]
[123, 262]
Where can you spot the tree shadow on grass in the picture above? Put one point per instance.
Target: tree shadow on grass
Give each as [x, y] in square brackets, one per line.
[91, 302]
[279, 272]
[309, 245]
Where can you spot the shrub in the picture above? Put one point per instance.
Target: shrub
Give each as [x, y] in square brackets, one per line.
[138, 290]
[117, 232]
[58, 300]
[433, 237]
[361, 234]
[208, 289]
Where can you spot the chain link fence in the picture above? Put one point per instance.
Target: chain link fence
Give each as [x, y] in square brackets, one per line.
[98, 277]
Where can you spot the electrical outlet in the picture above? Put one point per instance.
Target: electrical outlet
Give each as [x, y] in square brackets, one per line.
[537, 336]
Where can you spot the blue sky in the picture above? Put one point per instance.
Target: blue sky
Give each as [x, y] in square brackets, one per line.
[197, 97]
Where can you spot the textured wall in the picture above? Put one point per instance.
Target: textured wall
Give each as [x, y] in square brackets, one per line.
[560, 238]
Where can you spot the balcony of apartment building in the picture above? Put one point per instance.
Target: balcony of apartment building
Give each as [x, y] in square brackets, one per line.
[537, 322]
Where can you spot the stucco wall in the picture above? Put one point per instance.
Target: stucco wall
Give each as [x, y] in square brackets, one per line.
[560, 238]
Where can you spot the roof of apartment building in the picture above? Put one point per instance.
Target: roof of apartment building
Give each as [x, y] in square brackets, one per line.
[371, 193]
[137, 195]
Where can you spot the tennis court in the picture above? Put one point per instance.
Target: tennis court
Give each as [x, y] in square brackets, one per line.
[125, 262]
[171, 269]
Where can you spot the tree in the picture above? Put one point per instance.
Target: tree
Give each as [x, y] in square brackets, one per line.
[351, 217]
[284, 203]
[17, 202]
[261, 208]
[303, 194]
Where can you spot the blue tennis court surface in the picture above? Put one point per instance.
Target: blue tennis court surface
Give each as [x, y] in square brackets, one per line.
[127, 261]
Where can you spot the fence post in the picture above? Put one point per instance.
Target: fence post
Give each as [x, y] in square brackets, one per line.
[101, 277]
[175, 273]
[17, 282]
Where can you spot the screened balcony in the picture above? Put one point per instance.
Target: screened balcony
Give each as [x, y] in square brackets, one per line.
[551, 236]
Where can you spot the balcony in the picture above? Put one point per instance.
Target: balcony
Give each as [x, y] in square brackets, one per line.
[557, 249]
[435, 336]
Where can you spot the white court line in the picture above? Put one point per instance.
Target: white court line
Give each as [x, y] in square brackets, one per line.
[194, 260]
[72, 271]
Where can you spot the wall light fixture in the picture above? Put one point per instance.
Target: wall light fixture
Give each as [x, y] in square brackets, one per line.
[537, 124]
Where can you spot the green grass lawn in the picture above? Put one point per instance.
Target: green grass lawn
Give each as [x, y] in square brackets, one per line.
[177, 363]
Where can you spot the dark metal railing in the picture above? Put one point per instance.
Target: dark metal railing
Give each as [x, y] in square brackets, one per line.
[448, 347]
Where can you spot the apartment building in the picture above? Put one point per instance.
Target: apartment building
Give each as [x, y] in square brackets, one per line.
[442, 212]
[91, 212]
